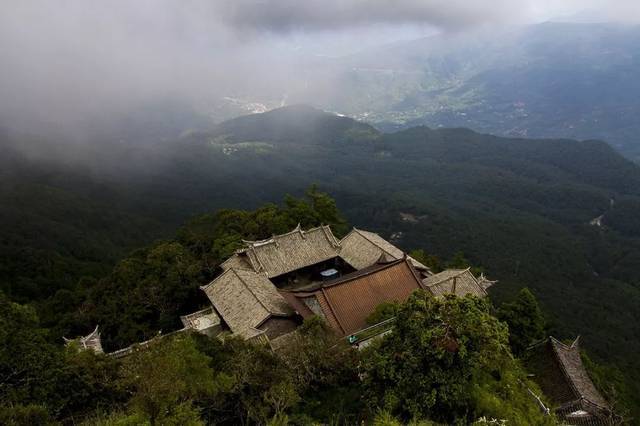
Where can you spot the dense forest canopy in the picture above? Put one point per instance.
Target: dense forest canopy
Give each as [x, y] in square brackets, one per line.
[96, 238]
[193, 379]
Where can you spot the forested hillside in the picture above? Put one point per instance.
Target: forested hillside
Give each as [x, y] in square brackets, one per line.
[523, 210]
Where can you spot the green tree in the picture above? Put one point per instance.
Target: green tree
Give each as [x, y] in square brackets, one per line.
[255, 385]
[382, 312]
[442, 360]
[34, 371]
[327, 210]
[525, 320]
[90, 382]
[432, 261]
[29, 365]
[25, 415]
[167, 378]
[325, 370]
[144, 294]
[262, 387]
[316, 357]
[611, 382]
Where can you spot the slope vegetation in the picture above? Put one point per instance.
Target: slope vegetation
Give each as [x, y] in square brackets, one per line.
[523, 210]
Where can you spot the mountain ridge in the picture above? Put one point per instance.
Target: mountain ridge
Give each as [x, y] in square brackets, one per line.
[295, 123]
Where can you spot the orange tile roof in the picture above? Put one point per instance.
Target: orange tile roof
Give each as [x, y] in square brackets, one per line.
[348, 301]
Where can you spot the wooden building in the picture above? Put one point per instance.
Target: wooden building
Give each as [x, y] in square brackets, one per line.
[455, 281]
[558, 370]
[286, 253]
[346, 302]
[363, 248]
[250, 304]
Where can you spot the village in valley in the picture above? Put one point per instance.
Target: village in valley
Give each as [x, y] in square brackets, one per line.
[267, 289]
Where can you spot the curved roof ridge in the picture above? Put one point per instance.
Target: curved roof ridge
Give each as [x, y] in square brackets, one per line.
[365, 236]
[458, 272]
[251, 243]
[83, 338]
[206, 286]
[576, 342]
[558, 342]
[587, 389]
[95, 331]
[273, 238]
[328, 233]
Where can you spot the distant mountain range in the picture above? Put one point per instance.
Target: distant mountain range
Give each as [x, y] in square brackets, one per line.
[552, 80]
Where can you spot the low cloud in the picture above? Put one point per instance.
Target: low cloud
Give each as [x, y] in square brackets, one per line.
[70, 61]
[313, 15]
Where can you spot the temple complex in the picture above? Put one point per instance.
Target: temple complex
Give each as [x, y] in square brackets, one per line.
[266, 289]
[270, 286]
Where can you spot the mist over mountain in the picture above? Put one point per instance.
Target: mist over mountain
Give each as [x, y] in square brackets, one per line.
[142, 142]
[548, 80]
[100, 75]
[551, 80]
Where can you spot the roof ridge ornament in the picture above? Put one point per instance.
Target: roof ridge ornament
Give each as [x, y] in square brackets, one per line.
[575, 342]
[91, 341]
[328, 233]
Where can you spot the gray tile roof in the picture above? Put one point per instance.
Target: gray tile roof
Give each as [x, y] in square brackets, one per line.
[245, 299]
[288, 252]
[558, 369]
[363, 248]
[571, 363]
[454, 281]
[237, 261]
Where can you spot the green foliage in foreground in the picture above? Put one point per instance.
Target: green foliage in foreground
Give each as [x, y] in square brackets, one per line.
[525, 320]
[18, 415]
[446, 361]
[382, 312]
[37, 375]
[449, 361]
[166, 378]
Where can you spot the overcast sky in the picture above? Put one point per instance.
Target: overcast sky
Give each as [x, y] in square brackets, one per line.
[67, 58]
